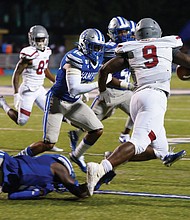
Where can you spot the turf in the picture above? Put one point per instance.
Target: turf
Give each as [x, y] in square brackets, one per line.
[150, 176]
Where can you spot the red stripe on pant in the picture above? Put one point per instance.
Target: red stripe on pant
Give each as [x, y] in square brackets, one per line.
[152, 136]
[25, 112]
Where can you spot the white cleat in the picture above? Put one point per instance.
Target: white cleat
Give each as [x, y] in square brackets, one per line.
[124, 138]
[56, 149]
[2, 101]
[94, 172]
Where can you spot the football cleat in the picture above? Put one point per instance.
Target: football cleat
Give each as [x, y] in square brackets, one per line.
[79, 161]
[56, 149]
[124, 138]
[105, 179]
[73, 139]
[2, 101]
[173, 157]
[95, 172]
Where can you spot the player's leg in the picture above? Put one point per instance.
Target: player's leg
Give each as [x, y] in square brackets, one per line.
[141, 138]
[40, 102]
[51, 128]
[26, 104]
[13, 114]
[84, 117]
[100, 109]
[125, 107]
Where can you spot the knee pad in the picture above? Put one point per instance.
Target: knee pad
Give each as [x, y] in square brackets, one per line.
[138, 147]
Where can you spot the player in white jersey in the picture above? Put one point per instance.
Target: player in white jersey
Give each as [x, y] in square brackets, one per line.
[150, 57]
[33, 66]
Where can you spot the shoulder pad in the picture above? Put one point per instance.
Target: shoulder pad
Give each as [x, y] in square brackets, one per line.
[75, 58]
[29, 53]
[48, 50]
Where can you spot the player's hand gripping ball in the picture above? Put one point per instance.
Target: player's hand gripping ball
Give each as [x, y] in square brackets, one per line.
[183, 73]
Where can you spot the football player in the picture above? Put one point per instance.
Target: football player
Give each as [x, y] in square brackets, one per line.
[75, 76]
[150, 56]
[33, 66]
[119, 30]
[25, 177]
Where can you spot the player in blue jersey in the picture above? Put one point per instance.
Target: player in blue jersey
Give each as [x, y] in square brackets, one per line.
[77, 70]
[119, 30]
[25, 177]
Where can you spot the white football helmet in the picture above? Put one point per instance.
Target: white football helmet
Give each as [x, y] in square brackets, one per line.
[147, 28]
[38, 37]
[118, 24]
[91, 43]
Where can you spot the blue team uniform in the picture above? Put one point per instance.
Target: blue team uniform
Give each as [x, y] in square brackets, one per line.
[24, 172]
[78, 60]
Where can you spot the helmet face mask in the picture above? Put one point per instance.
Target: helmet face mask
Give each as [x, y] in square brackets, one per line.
[38, 37]
[119, 30]
[91, 43]
[147, 28]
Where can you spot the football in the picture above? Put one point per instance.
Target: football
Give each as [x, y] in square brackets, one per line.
[183, 73]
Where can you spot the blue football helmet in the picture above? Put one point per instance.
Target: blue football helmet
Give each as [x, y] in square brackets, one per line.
[132, 26]
[92, 43]
[116, 25]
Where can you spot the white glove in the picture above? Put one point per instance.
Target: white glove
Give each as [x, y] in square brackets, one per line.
[17, 99]
[85, 97]
[127, 85]
[105, 96]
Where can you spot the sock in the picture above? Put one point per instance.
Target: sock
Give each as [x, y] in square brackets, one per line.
[6, 108]
[81, 148]
[106, 165]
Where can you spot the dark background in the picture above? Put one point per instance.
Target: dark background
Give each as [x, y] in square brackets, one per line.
[71, 17]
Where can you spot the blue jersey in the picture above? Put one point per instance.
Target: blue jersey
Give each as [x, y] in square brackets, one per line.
[26, 171]
[77, 60]
[109, 53]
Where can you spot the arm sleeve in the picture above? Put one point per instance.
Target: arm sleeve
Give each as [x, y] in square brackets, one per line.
[28, 194]
[74, 84]
[31, 192]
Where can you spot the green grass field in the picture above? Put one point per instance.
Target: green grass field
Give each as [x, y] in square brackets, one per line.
[151, 176]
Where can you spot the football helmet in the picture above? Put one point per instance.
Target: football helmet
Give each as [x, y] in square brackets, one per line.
[38, 37]
[91, 43]
[132, 26]
[116, 25]
[147, 28]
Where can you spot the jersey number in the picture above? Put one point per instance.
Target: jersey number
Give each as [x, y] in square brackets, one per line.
[149, 53]
[41, 65]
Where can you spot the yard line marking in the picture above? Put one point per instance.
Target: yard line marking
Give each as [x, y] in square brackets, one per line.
[142, 194]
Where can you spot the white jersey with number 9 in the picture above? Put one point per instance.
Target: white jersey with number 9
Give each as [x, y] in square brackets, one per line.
[151, 59]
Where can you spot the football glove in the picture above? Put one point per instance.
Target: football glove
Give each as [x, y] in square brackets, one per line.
[105, 96]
